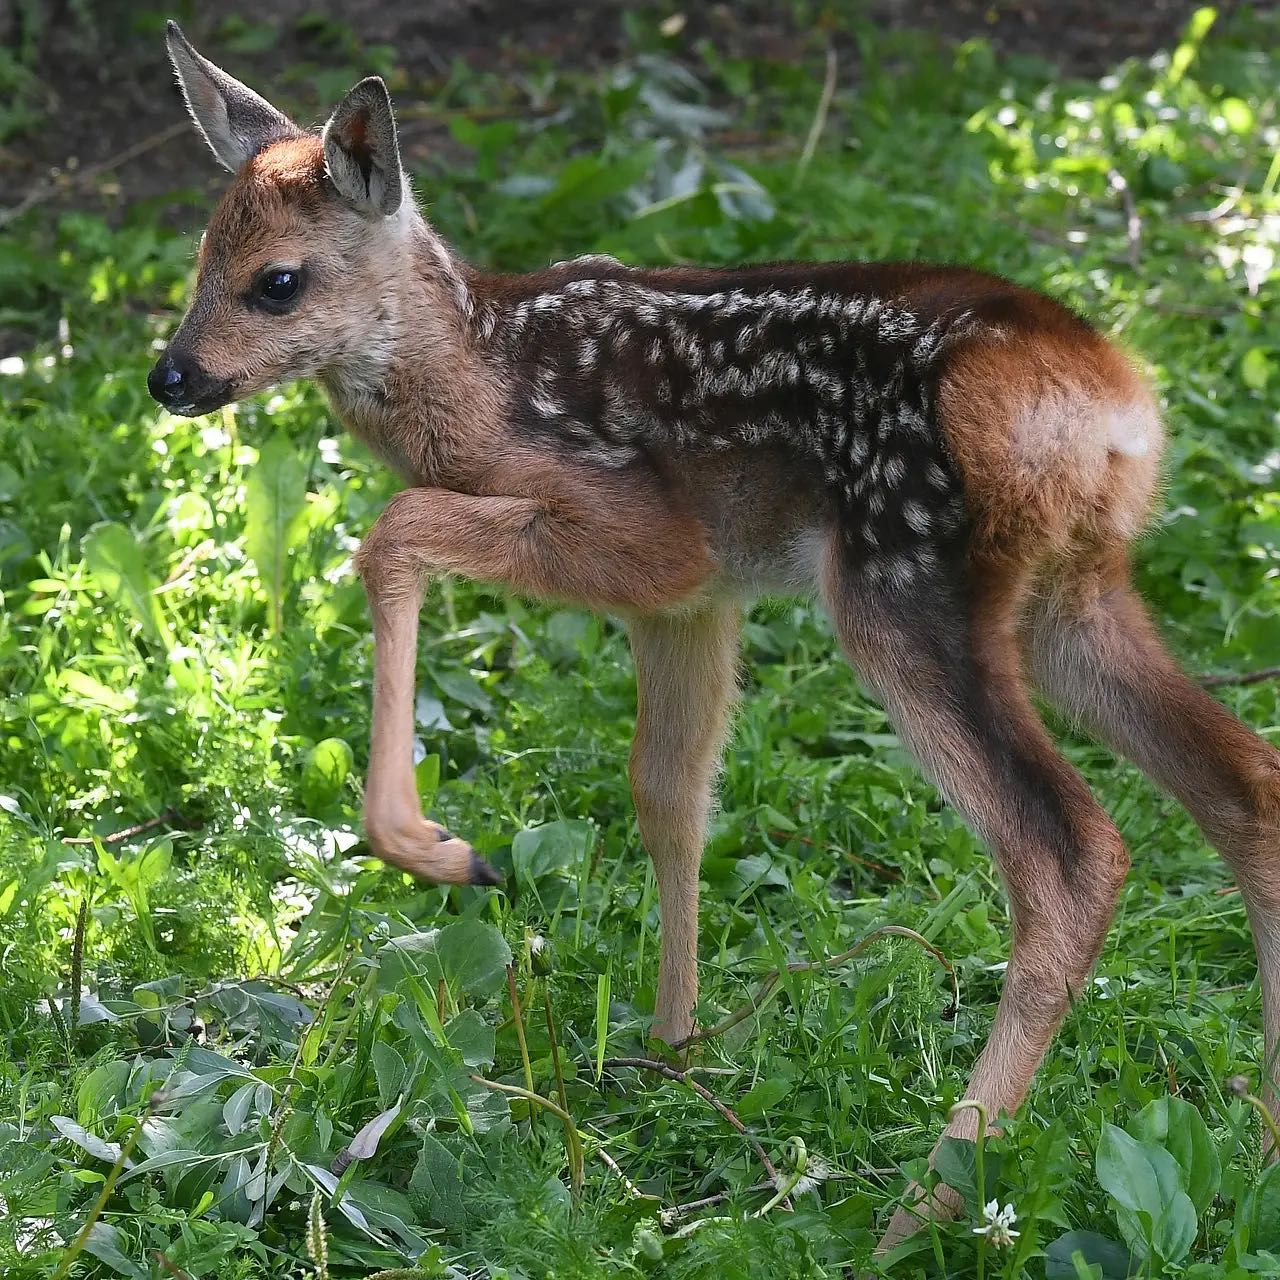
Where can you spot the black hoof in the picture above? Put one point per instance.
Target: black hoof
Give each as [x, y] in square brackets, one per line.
[483, 873]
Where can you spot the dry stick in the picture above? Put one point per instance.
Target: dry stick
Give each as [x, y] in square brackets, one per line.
[678, 1211]
[172, 1268]
[1132, 220]
[160, 820]
[682, 1077]
[772, 979]
[38, 195]
[820, 115]
[1240, 677]
[626, 1182]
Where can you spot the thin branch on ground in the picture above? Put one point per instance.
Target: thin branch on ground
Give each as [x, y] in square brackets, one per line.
[1240, 678]
[820, 115]
[1132, 219]
[626, 1182]
[38, 195]
[682, 1077]
[170, 817]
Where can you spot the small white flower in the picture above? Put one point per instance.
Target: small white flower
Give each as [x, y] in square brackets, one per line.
[997, 1224]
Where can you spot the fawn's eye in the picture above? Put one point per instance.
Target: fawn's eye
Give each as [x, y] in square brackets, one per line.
[278, 287]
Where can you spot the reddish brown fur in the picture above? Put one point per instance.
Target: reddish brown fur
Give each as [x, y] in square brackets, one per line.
[1053, 433]
[1032, 502]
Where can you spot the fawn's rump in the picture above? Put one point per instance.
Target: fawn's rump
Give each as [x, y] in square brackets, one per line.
[1057, 439]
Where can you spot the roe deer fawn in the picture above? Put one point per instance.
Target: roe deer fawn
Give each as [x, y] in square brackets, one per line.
[956, 465]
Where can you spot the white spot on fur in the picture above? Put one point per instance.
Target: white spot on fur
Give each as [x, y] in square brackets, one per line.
[937, 478]
[546, 405]
[917, 517]
[1130, 430]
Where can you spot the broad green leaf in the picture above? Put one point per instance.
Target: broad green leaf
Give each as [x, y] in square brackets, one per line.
[473, 1038]
[345, 1205]
[471, 956]
[101, 1090]
[1175, 1231]
[1134, 1173]
[1147, 1181]
[274, 499]
[103, 1243]
[463, 688]
[555, 848]
[438, 1179]
[119, 568]
[1093, 1249]
[1177, 1126]
[1266, 1210]
[86, 1141]
[390, 1071]
[1256, 368]
[94, 691]
[329, 764]
[177, 1159]
[235, 1111]
[760, 1098]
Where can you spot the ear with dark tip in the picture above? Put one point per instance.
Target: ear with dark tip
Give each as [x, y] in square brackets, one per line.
[361, 152]
[232, 119]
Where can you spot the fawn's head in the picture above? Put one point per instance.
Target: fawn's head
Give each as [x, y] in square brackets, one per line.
[298, 267]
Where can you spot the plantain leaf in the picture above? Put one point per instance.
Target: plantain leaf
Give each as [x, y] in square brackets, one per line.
[275, 496]
[115, 559]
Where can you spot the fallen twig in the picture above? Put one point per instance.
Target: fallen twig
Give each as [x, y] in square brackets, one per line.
[678, 1211]
[1132, 219]
[626, 1182]
[1240, 678]
[820, 115]
[168, 817]
[38, 195]
[770, 982]
[682, 1077]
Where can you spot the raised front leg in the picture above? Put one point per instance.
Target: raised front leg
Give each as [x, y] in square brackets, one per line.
[684, 688]
[612, 552]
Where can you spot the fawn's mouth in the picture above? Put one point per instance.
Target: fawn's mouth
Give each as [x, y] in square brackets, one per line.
[204, 404]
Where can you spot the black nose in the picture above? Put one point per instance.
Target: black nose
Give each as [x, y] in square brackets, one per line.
[167, 381]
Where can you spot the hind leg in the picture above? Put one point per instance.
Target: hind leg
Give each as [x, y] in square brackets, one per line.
[946, 665]
[1096, 654]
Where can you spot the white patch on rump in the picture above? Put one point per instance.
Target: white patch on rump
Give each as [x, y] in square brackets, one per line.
[1067, 424]
[1132, 430]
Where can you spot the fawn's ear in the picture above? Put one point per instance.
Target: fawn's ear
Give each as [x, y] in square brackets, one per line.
[361, 152]
[232, 119]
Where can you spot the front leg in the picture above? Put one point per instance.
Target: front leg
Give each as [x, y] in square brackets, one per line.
[603, 549]
[685, 667]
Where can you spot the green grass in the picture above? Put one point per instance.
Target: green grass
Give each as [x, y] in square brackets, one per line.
[182, 631]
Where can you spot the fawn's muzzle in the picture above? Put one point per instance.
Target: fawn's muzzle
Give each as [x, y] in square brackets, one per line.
[184, 388]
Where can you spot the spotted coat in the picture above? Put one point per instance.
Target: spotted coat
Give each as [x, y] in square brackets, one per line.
[613, 364]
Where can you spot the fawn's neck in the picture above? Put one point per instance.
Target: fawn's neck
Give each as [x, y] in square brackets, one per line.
[415, 387]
